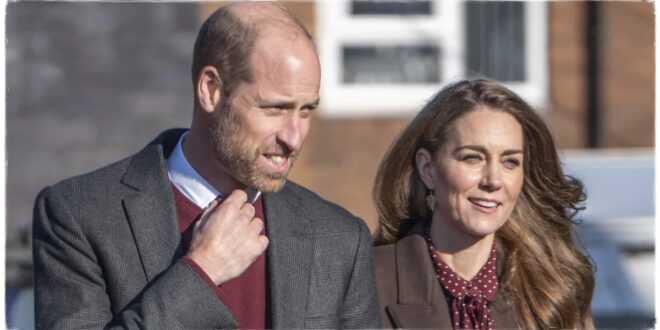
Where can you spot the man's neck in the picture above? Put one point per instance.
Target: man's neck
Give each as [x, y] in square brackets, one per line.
[196, 149]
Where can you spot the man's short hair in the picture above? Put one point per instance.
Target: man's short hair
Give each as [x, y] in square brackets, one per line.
[226, 42]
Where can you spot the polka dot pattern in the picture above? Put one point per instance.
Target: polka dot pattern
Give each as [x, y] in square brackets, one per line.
[468, 300]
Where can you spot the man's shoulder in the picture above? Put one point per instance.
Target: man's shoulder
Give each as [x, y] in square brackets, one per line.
[97, 180]
[327, 217]
[103, 181]
[309, 200]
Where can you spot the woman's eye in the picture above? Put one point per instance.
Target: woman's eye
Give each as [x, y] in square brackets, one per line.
[511, 163]
[471, 158]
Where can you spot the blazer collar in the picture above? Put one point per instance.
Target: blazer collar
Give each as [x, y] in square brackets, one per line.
[421, 300]
[289, 257]
[150, 207]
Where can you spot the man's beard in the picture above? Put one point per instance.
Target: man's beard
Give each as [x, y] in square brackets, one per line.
[234, 151]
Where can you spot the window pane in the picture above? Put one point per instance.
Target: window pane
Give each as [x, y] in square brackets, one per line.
[391, 7]
[495, 40]
[391, 64]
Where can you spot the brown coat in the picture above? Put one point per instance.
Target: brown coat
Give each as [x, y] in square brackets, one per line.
[411, 295]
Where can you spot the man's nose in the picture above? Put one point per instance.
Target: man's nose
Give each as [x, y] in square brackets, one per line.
[292, 132]
[492, 177]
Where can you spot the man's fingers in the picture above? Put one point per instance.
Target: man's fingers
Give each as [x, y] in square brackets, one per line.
[264, 241]
[237, 196]
[247, 209]
[209, 209]
[256, 226]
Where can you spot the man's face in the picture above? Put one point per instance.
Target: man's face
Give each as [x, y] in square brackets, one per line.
[258, 133]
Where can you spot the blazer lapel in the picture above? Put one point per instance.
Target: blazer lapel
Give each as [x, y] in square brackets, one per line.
[501, 310]
[289, 258]
[422, 303]
[151, 211]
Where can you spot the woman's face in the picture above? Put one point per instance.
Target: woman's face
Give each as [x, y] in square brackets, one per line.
[477, 174]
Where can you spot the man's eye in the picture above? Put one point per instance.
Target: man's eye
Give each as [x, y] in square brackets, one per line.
[305, 113]
[272, 109]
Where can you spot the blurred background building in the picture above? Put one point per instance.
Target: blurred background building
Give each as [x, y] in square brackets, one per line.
[89, 83]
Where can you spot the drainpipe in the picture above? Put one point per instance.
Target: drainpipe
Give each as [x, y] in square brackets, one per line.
[593, 104]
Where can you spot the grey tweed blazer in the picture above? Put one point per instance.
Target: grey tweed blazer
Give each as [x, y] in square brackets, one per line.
[107, 253]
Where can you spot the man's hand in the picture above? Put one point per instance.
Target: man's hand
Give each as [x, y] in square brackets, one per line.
[227, 238]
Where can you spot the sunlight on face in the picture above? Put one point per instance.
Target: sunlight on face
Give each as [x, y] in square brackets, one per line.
[259, 135]
[478, 173]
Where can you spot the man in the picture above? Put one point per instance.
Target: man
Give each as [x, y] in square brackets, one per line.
[129, 245]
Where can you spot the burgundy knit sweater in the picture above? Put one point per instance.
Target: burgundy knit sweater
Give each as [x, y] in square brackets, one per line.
[245, 296]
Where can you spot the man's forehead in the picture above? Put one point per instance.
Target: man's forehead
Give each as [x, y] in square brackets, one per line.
[275, 49]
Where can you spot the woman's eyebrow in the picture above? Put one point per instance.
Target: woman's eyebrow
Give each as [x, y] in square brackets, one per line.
[484, 150]
[474, 147]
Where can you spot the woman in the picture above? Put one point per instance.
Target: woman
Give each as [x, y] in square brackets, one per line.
[477, 213]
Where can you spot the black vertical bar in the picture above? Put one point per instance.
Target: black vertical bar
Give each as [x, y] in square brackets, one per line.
[593, 102]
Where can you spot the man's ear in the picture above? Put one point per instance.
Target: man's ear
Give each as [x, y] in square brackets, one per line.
[426, 167]
[209, 89]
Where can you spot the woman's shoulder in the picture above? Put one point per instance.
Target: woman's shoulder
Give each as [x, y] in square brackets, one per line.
[385, 261]
[385, 256]
[384, 251]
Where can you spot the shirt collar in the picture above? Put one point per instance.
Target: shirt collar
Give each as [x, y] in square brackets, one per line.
[187, 180]
[191, 184]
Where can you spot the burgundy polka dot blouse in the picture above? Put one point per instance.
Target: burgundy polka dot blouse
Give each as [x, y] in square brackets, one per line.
[468, 300]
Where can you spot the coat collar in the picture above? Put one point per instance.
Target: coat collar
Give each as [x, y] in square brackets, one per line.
[150, 207]
[421, 300]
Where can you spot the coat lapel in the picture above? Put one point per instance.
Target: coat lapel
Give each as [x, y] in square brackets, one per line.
[421, 301]
[289, 258]
[150, 208]
[502, 312]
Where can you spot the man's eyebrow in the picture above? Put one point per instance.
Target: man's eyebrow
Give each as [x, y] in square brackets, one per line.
[286, 104]
[313, 104]
[277, 104]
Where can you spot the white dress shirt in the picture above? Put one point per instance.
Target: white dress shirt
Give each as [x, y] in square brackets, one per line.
[187, 180]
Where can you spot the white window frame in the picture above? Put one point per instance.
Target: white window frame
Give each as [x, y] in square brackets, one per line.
[444, 28]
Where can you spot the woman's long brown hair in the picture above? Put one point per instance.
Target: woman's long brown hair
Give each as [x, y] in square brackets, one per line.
[547, 279]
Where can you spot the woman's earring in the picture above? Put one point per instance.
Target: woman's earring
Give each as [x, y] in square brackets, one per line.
[430, 200]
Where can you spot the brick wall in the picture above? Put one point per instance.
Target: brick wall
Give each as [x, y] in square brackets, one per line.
[625, 33]
[567, 69]
[628, 72]
[340, 159]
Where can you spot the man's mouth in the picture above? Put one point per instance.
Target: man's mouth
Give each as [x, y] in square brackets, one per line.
[277, 162]
[276, 159]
